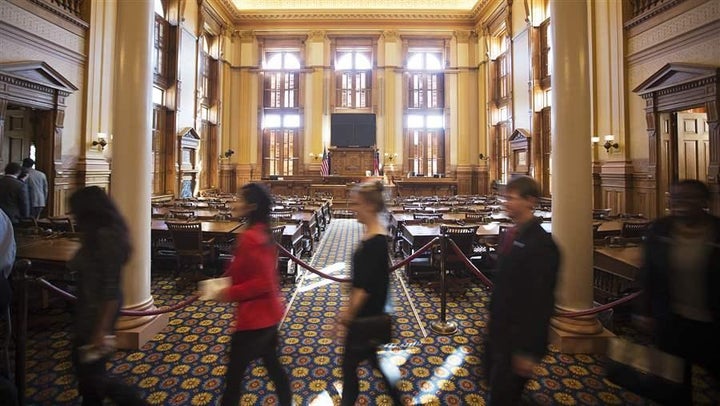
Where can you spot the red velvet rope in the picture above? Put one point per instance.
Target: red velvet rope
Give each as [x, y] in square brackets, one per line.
[470, 265]
[154, 312]
[579, 313]
[322, 274]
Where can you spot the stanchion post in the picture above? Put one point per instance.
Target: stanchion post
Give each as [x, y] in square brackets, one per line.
[20, 274]
[443, 326]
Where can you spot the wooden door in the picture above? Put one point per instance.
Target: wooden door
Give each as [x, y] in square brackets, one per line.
[18, 135]
[667, 168]
[693, 146]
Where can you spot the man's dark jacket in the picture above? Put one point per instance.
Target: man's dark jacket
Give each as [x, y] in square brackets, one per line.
[654, 275]
[523, 298]
[14, 198]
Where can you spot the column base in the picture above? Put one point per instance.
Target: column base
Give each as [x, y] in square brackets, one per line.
[135, 337]
[574, 343]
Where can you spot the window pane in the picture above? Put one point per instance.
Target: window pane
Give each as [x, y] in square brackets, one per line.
[159, 9]
[433, 62]
[416, 61]
[274, 62]
[415, 121]
[271, 121]
[344, 62]
[291, 61]
[362, 62]
[158, 96]
[291, 121]
[435, 121]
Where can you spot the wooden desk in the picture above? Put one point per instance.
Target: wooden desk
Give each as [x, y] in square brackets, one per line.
[208, 227]
[54, 251]
[425, 187]
[202, 214]
[615, 271]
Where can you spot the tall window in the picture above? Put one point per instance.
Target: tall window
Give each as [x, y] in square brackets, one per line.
[543, 108]
[208, 91]
[162, 119]
[353, 73]
[281, 113]
[501, 106]
[425, 124]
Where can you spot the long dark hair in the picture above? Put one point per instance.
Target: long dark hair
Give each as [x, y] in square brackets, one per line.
[93, 209]
[257, 194]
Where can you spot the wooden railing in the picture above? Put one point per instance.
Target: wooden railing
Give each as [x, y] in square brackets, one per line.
[69, 6]
[640, 7]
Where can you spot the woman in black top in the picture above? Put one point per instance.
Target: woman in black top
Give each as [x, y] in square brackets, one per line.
[370, 284]
[104, 250]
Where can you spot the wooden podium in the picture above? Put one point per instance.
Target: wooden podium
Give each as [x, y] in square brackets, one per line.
[351, 161]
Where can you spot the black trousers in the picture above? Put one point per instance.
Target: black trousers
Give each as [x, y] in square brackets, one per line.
[246, 347]
[697, 343]
[94, 384]
[506, 387]
[355, 353]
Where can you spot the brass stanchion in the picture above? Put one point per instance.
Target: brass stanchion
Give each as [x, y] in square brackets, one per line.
[443, 326]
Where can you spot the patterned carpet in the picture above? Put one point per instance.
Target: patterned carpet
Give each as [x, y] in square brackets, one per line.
[186, 363]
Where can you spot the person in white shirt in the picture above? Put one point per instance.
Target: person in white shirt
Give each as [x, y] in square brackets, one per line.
[38, 188]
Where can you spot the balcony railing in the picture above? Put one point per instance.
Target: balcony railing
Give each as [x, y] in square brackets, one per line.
[651, 7]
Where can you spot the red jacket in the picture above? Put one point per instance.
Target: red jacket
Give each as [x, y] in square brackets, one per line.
[255, 285]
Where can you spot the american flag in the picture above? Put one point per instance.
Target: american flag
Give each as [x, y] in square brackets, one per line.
[325, 166]
[376, 163]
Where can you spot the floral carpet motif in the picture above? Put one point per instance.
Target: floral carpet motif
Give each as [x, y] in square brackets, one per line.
[185, 364]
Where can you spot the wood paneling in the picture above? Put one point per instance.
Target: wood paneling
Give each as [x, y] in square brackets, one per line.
[351, 161]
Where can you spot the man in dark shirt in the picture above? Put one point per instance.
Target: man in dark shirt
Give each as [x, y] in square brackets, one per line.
[523, 297]
[13, 194]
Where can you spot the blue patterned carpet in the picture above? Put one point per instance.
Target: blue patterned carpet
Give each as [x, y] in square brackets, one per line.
[185, 365]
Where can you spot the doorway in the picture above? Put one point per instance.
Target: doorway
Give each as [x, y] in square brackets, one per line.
[684, 148]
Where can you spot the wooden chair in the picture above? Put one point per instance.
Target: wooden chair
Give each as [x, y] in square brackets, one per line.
[279, 216]
[428, 217]
[181, 214]
[190, 248]
[464, 237]
[601, 214]
[285, 270]
[475, 217]
[62, 224]
[636, 229]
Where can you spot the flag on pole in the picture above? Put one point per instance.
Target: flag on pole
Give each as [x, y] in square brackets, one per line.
[376, 163]
[325, 166]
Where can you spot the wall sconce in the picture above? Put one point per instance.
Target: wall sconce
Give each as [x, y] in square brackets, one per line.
[101, 141]
[390, 157]
[610, 143]
[483, 157]
[595, 140]
[227, 154]
[315, 157]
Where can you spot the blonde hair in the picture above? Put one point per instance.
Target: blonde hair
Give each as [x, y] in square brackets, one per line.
[373, 193]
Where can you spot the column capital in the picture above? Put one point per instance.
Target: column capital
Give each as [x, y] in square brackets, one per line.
[390, 36]
[317, 36]
[465, 35]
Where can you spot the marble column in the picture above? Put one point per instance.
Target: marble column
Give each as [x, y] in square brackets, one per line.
[132, 163]
[572, 177]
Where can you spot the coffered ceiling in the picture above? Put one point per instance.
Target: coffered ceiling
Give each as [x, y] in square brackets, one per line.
[366, 5]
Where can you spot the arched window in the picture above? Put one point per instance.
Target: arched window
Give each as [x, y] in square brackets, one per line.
[281, 114]
[353, 74]
[425, 115]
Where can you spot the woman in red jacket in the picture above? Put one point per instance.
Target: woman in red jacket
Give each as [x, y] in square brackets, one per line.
[256, 290]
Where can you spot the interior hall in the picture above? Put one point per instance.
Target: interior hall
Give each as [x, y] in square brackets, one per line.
[451, 109]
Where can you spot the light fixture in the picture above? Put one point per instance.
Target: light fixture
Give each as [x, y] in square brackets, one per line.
[483, 157]
[610, 143]
[227, 154]
[595, 140]
[315, 157]
[101, 141]
[390, 157]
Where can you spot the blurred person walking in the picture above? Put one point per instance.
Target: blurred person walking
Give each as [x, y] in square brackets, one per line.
[523, 298]
[681, 280]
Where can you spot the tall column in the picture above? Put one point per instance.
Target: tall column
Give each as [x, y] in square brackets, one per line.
[572, 176]
[132, 164]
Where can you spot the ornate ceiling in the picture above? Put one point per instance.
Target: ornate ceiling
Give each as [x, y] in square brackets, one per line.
[367, 5]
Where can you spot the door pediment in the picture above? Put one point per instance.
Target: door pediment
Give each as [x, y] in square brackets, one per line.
[37, 73]
[675, 74]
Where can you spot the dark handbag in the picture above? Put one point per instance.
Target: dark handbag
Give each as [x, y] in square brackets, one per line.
[646, 371]
[369, 332]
